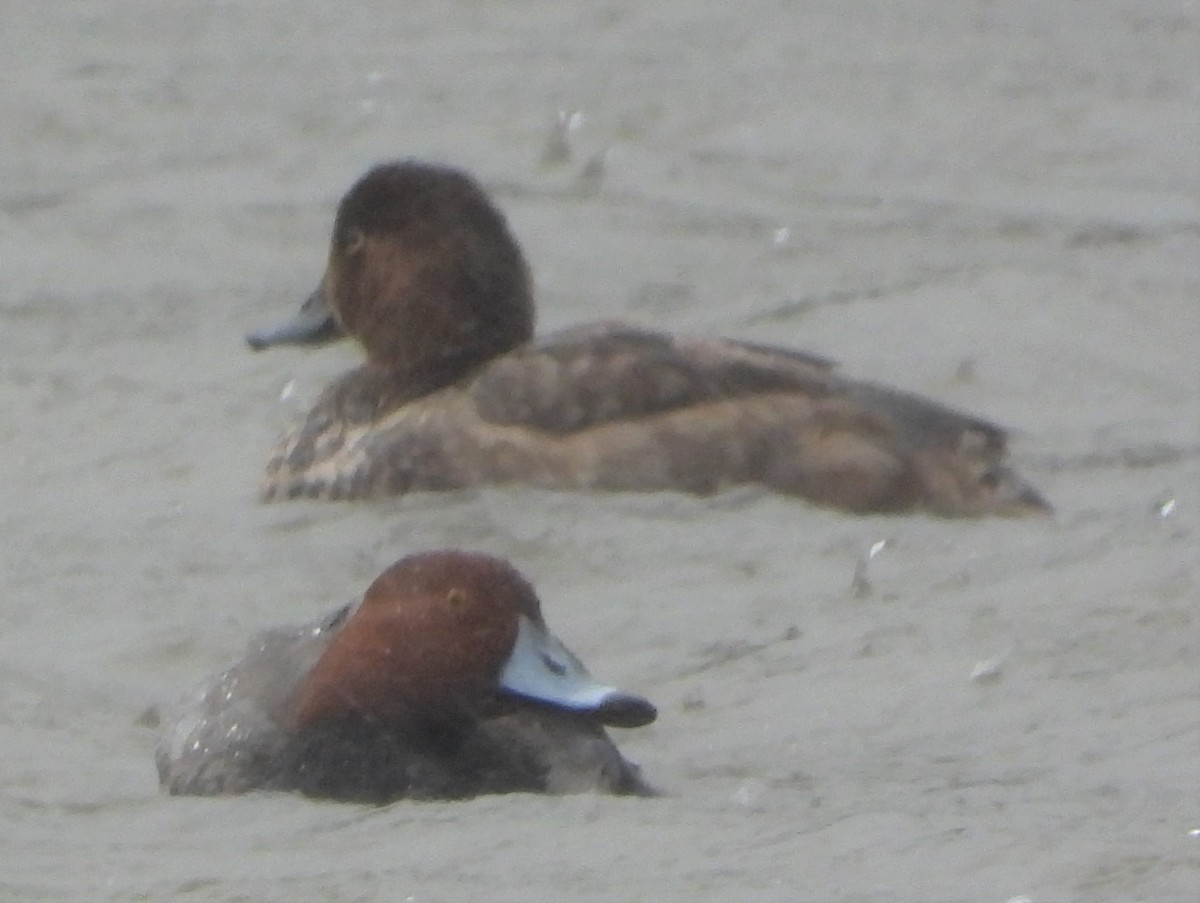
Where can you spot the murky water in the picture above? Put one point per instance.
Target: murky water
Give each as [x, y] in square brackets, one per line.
[994, 204]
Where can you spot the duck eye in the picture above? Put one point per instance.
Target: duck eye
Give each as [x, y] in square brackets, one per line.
[456, 598]
[353, 240]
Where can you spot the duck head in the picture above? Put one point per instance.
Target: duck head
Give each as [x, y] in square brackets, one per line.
[450, 633]
[423, 271]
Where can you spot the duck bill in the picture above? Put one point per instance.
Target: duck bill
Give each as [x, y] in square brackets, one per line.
[542, 669]
[1030, 501]
[314, 324]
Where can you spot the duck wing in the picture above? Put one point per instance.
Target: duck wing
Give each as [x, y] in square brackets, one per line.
[227, 734]
[726, 411]
[597, 374]
[588, 376]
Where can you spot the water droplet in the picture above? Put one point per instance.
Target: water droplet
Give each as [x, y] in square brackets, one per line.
[750, 793]
[557, 149]
[860, 583]
[988, 670]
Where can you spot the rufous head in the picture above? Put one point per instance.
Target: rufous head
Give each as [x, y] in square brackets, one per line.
[443, 633]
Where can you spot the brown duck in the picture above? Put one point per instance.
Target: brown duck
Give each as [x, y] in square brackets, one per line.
[455, 392]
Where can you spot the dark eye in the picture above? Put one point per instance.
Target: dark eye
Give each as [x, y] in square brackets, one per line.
[352, 240]
[557, 667]
[990, 478]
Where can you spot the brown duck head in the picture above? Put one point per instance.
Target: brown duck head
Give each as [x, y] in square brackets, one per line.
[423, 271]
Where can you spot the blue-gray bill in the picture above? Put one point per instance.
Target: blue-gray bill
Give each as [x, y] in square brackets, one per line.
[313, 324]
[541, 668]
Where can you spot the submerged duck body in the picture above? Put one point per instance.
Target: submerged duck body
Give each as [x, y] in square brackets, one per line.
[443, 683]
[455, 392]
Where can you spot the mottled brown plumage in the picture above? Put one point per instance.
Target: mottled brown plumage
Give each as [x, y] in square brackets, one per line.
[424, 272]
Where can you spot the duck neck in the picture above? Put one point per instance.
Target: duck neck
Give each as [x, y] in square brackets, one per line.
[413, 381]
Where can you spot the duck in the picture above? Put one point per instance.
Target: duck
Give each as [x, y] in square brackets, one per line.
[456, 392]
[443, 682]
